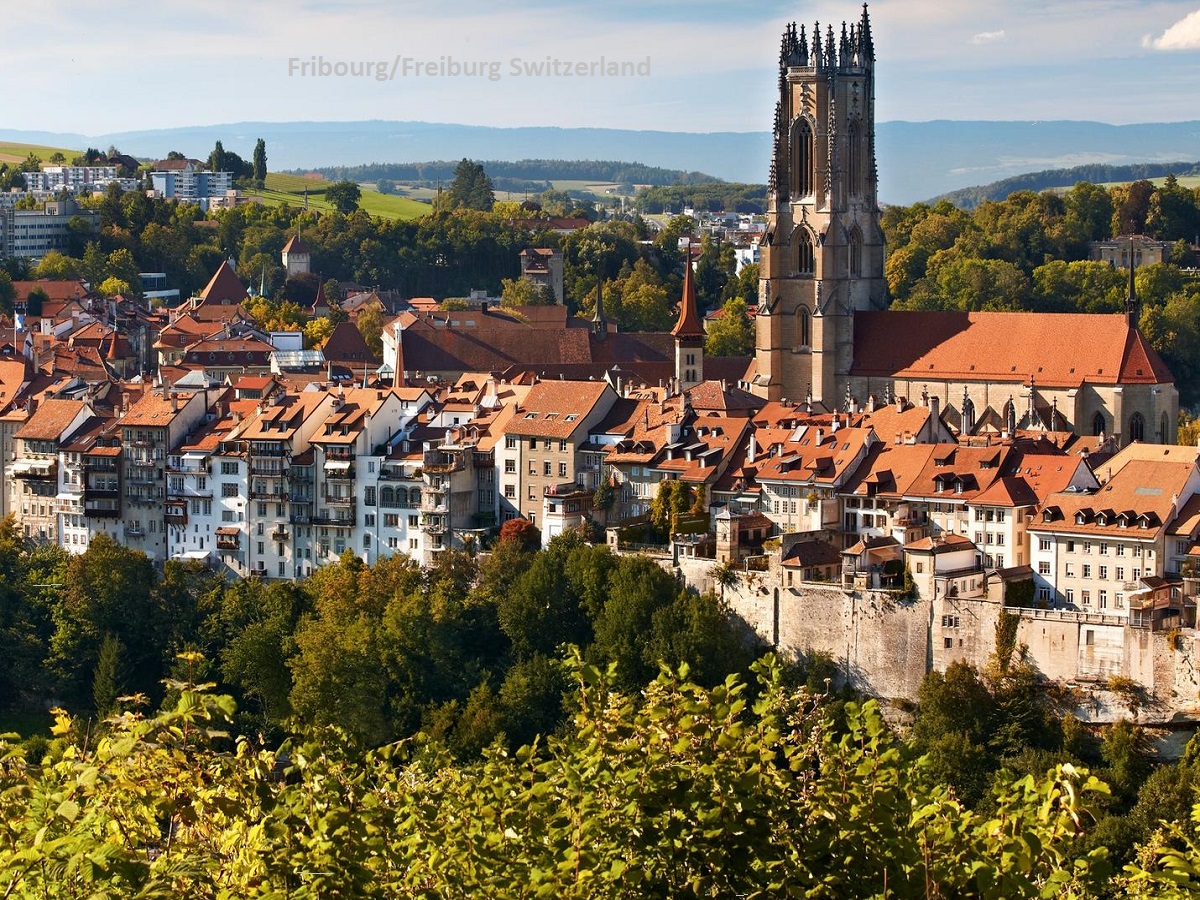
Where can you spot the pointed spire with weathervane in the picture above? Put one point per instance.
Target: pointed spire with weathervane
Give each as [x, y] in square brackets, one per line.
[688, 331]
[1133, 306]
[599, 323]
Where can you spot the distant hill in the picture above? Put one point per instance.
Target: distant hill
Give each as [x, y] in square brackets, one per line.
[527, 170]
[969, 198]
[916, 160]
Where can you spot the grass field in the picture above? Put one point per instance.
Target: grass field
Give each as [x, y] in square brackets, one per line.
[11, 153]
[282, 188]
[1187, 181]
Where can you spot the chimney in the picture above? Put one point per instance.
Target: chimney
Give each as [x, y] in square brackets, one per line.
[752, 448]
[934, 407]
[124, 402]
[174, 401]
[899, 404]
[837, 421]
[871, 403]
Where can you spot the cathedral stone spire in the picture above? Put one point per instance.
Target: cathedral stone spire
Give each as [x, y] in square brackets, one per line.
[599, 323]
[865, 45]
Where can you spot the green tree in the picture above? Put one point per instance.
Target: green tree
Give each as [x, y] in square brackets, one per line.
[518, 292]
[344, 195]
[107, 682]
[370, 326]
[260, 162]
[56, 267]
[731, 334]
[471, 188]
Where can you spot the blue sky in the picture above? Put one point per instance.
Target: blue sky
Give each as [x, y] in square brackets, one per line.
[120, 66]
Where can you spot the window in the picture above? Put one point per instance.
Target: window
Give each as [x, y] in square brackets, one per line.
[1087, 546]
[510, 491]
[803, 328]
[1120, 549]
[229, 489]
[1043, 594]
[414, 521]
[1104, 549]
[1102, 599]
[1120, 573]
[562, 470]
[1085, 597]
[802, 159]
[805, 258]
[1043, 543]
[547, 468]
[1137, 427]
[369, 496]
[229, 467]
[532, 492]
[1099, 425]
[260, 546]
[510, 466]
[1070, 547]
[1103, 572]
[367, 541]
[546, 446]
[1070, 596]
[510, 443]
[1087, 571]
[1043, 568]
[369, 520]
[855, 235]
[562, 446]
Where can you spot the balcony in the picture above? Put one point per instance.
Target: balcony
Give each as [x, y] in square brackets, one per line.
[135, 531]
[339, 501]
[281, 534]
[337, 521]
[102, 511]
[35, 469]
[433, 525]
[300, 517]
[438, 463]
[394, 473]
[143, 478]
[228, 542]
[262, 493]
[339, 471]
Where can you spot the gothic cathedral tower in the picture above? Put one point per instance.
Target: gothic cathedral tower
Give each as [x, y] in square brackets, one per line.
[822, 255]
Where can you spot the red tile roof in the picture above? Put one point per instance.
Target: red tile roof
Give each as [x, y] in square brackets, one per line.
[224, 287]
[1054, 349]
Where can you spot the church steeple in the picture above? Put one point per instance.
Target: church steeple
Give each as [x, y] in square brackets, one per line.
[1133, 306]
[599, 323]
[688, 332]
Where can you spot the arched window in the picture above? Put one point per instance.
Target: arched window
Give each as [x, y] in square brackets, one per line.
[1099, 426]
[1137, 428]
[855, 252]
[386, 498]
[854, 163]
[1010, 417]
[806, 263]
[803, 335]
[968, 416]
[1163, 424]
[802, 159]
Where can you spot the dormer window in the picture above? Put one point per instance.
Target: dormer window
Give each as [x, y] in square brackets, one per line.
[1080, 518]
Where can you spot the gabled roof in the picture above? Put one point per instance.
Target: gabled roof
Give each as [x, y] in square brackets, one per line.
[296, 244]
[224, 287]
[346, 345]
[50, 420]
[1054, 349]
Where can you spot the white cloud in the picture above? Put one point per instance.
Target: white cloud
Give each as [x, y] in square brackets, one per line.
[1183, 35]
[988, 37]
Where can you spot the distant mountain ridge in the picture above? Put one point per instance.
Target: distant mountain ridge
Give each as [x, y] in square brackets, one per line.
[916, 160]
